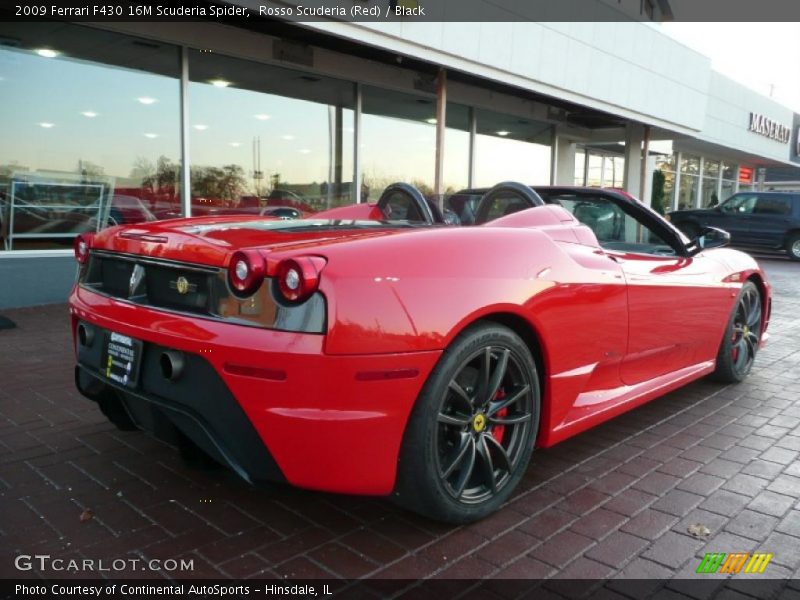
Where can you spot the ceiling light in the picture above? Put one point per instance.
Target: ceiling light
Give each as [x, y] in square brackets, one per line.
[89, 113]
[201, 127]
[503, 133]
[147, 100]
[235, 144]
[432, 121]
[46, 125]
[221, 83]
[287, 137]
[151, 136]
[262, 117]
[304, 151]
[47, 53]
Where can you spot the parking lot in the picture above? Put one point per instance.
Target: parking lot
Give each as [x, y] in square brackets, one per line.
[615, 502]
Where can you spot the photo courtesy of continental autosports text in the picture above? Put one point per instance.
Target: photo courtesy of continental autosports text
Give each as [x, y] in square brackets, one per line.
[139, 590]
[382, 299]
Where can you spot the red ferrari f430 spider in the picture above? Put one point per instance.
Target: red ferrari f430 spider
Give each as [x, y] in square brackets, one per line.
[385, 349]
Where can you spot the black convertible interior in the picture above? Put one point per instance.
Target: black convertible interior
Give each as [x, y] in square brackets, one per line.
[616, 223]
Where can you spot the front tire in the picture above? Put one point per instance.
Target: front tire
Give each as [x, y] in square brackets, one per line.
[793, 246]
[742, 336]
[471, 434]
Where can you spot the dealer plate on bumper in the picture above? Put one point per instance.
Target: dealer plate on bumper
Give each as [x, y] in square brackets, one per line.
[121, 358]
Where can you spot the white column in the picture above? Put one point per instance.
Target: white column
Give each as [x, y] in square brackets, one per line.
[585, 166]
[677, 189]
[698, 200]
[650, 166]
[473, 132]
[634, 136]
[562, 165]
[186, 174]
[355, 191]
[441, 119]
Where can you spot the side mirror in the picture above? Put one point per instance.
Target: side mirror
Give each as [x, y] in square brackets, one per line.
[709, 237]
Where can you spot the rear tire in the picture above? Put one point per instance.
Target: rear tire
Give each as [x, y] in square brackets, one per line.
[742, 335]
[471, 434]
[793, 246]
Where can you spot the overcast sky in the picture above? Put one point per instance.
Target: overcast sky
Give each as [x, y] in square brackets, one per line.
[762, 56]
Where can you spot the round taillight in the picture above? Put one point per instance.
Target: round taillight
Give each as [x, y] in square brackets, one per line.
[246, 272]
[298, 278]
[83, 243]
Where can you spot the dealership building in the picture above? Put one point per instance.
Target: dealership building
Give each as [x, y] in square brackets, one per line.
[132, 121]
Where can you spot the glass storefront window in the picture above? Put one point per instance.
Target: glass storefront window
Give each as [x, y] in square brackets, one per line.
[728, 189]
[669, 188]
[728, 170]
[665, 162]
[688, 191]
[613, 175]
[398, 141]
[265, 136]
[510, 148]
[690, 164]
[711, 168]
[594, 176]
[709, 197]
[90, 124]
[580, 166]
[456, 149]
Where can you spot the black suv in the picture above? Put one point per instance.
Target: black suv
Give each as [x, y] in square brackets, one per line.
[755, 219]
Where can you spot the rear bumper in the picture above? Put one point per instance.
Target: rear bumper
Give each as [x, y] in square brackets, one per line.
[270, 404]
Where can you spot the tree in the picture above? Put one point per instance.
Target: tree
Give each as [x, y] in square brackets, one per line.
[224, 183]
[657, 196]
[161, 178]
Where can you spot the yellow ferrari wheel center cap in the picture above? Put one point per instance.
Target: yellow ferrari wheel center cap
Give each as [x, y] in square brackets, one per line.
[479, 423]
[746, 330]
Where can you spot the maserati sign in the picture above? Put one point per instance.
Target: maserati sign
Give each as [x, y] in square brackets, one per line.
[768, 128]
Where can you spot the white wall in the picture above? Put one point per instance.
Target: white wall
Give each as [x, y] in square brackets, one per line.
[627, 68]
[728, 119]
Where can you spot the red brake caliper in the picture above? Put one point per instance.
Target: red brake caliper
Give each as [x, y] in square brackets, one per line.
[499, 430]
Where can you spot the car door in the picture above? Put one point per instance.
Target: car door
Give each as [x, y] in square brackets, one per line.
[733, 216]
[675, 313]
[770, 220]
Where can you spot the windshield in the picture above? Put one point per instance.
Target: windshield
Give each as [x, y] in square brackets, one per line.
[740, 203]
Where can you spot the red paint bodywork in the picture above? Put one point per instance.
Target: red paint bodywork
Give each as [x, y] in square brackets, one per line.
[614, 330]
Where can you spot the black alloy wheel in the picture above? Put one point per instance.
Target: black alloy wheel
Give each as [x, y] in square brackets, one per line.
[471, 435]
[483, 422]
[742, 336]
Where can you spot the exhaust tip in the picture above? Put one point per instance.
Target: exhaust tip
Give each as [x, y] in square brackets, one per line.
[85, 335]
[171, 363]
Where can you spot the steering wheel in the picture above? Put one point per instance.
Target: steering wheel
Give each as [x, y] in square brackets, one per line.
[405, 202]
[522, 193]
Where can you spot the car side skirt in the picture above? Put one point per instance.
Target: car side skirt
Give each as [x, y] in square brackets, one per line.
[594, 407]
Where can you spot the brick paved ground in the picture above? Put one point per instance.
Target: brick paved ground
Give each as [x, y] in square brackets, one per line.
[614, 502]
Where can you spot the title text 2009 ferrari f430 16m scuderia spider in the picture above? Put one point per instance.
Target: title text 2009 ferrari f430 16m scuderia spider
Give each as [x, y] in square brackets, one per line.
[383, 349]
